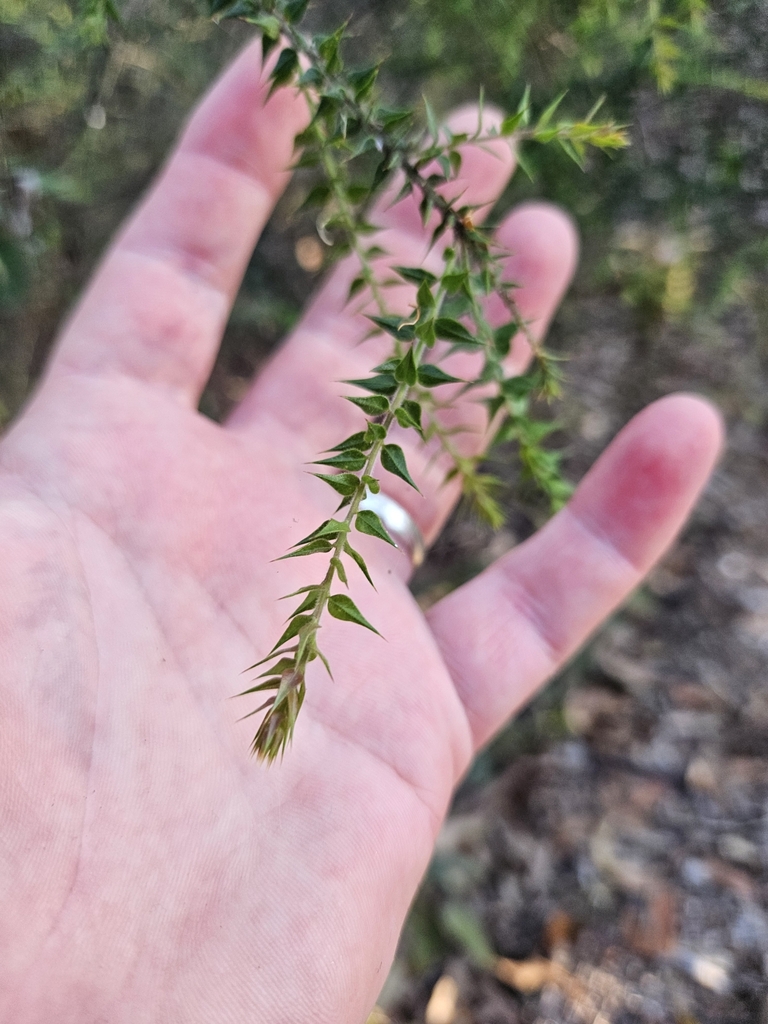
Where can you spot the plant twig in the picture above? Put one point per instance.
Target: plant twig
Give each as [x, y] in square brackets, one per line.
[350, 128]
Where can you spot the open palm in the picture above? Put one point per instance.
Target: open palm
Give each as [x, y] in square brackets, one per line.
[150, 871]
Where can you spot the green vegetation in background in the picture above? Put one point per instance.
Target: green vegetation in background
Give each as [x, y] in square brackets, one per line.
[653, 61]
[89, 106]
[92, 94]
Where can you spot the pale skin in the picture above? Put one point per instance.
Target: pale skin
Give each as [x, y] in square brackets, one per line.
[150, 870]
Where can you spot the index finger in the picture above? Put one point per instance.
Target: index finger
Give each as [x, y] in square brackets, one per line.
[159, 302]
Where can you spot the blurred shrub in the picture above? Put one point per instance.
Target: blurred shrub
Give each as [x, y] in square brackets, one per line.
[91, 95]
[88, 107]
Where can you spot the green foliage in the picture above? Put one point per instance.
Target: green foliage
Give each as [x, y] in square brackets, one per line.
[41, 91]
[94, 20]
[693, 164]
[669, 42]
[89, 105]
[355, 143]
[368, 522]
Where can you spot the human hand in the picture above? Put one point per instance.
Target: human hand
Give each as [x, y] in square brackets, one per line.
[151, 871]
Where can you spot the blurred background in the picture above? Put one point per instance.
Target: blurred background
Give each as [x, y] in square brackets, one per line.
[612, 844]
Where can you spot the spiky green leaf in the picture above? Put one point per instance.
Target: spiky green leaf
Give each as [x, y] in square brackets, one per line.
[368, 521]
[388, 366]
[342, 607]
[328, 47]
[338, 565]
[363, 81]
[453, 330]
[359, 561]
[270, 684]
[267, 704]
[295, 10]
[272, 654]
[502, 338]
[329, 529]
[357, 286]
[426, 332]
[520, 387]
[357, 440]
[284, 70]
[415, 275]
[293, 629]
[524, 163]
[425, 300]
[350, 459]
[240, 9]
[393, 460]
[455, 282]
[318, 195]
[394, 119]
[380, 384]
[431, 376]
[308, 604]
[244, 9]
[395, 326]
[375, 432]
[301, 590]
[511, 123]
[345, 483]
[406, 371]
[409, 415]
[283, 665]
[546, 117]
[315, 547]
